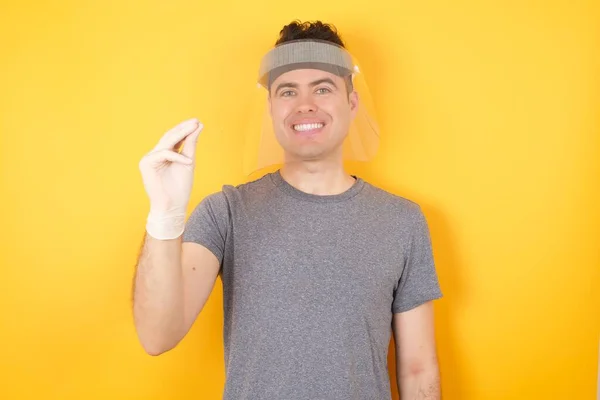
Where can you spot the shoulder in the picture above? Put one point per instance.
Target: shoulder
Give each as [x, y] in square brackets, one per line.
[232, 195]
[255, 191]
[397, 205]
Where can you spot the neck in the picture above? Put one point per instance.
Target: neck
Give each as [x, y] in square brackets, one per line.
[319, 177]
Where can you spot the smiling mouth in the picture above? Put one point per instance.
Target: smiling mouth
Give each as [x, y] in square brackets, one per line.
[308, 128]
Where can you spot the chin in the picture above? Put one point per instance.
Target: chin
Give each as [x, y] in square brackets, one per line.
[310, 153]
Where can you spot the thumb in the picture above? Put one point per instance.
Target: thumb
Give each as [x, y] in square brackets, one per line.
[189, 145]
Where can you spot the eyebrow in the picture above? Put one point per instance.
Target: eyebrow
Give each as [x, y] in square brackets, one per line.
[312, 84]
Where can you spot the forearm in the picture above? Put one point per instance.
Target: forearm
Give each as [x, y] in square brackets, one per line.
[158, 295]
[421, 385]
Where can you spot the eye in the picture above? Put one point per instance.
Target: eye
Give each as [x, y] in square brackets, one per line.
[287, 93]
[323, 90]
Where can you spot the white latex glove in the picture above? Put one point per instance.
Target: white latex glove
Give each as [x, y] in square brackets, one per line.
[168, 176]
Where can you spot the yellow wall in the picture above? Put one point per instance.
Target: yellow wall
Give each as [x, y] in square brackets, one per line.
[490, 120]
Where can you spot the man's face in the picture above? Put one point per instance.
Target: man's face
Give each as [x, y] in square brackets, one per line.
[311, 113]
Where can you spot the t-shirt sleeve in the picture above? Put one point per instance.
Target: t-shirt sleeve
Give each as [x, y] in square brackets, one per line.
[419, 281]
[208, 224]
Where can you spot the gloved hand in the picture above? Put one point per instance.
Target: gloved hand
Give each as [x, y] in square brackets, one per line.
[168, 177]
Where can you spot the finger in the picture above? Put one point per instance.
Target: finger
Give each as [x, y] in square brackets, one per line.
[160, 156]
[179, 145]
[189, 145]
[176, 134]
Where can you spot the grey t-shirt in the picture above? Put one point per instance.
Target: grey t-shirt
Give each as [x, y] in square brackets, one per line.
[310, 283]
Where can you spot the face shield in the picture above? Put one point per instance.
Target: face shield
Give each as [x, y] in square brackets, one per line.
[262, 149]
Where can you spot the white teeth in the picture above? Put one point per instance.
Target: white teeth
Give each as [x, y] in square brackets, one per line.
[307, 127]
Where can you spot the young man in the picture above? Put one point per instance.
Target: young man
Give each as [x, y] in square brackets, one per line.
[318, 266]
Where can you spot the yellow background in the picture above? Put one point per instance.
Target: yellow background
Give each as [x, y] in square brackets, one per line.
[490, 120]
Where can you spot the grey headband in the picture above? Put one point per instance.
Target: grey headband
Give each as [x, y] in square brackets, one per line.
[305, 53]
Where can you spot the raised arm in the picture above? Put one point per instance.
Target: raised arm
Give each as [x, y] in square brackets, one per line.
[173, 279]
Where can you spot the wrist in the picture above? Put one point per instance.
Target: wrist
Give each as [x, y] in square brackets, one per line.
[165, 226]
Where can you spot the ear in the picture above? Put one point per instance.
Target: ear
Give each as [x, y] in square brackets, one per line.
[353, 100]
[270, 106]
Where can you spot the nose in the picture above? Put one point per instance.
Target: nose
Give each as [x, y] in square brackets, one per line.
[306, 104]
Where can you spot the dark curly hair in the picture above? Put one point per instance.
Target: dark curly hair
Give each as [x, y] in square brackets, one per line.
[309, 30]
[319, 30]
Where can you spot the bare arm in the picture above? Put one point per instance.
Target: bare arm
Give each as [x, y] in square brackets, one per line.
[158, 295]
[416, 355]
[172, 284]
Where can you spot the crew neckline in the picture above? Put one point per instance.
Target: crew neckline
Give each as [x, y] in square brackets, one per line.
[288, 189]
